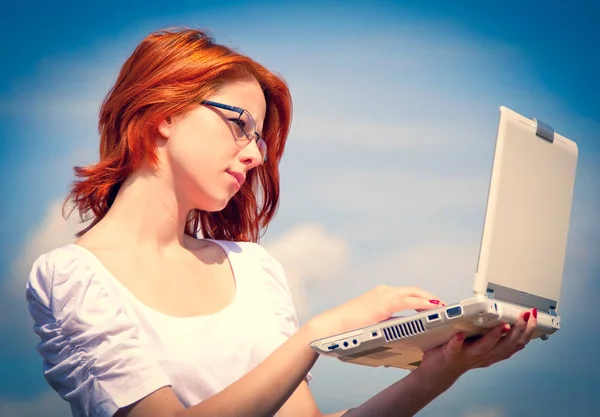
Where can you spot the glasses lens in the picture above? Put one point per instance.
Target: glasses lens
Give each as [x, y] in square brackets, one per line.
[247, 126]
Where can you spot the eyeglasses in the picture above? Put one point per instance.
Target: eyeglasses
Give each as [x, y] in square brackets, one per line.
[245, 131]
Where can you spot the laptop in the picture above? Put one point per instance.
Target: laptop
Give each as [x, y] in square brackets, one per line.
[521, 256]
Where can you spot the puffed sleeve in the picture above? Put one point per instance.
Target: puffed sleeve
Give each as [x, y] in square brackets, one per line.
[93, 353]
[281, 297]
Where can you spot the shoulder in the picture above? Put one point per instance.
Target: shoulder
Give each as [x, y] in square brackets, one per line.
[56, 263]
[94, 354]
[271, 275]
[65, 278]
[254, 253]
[247, 248]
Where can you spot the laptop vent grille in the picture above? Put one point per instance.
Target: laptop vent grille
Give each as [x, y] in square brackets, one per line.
[401, 331]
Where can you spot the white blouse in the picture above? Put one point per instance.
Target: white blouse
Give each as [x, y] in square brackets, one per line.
[103, 349]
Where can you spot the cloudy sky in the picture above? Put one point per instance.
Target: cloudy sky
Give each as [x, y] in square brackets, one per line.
[384, 181]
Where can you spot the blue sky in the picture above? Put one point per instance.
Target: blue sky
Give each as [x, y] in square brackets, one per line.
[396, 107]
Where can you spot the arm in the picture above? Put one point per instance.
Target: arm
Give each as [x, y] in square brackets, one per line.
[267, 388]
[106, 370]
[404, 398]
[264, 390]
[259, 393]
[439, 370]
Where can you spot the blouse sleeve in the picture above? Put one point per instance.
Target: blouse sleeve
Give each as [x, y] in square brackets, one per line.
[281, 298]
[93, 354]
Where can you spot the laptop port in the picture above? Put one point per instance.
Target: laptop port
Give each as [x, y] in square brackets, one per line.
[333, 347]
[454, 312]
[433, 317]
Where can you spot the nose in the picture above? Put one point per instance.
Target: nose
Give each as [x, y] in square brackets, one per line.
[250, 155]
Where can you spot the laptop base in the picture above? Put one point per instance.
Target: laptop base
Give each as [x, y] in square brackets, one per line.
[400, 342]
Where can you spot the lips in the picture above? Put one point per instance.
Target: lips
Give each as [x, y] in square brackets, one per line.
[240, 178]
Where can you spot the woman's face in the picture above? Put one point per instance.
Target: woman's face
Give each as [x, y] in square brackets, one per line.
[205, 155]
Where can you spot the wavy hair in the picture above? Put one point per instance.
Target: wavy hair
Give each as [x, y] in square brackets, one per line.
[169, 73]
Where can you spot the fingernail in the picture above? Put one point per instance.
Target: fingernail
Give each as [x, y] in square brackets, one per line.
[436, 302]
[526, 316]
[534, 313]
[460, 337]
[506, 329]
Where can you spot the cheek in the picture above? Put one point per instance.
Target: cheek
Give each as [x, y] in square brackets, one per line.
[199, 158]
[203, 140]
[192, 158]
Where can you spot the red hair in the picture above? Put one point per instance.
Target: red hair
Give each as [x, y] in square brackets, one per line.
[169, 73]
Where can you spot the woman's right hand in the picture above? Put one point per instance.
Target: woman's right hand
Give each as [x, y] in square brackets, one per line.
[372, 307]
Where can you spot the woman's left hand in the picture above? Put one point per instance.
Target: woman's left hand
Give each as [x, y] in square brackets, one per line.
[458, 356]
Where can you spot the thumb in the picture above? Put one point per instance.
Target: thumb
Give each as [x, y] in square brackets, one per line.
[455, 344]
[419, 304]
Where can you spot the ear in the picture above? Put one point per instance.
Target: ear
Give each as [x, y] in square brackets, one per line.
[165, 128]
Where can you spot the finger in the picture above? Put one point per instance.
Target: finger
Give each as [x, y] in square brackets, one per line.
[455, 345]
[418, 293]
[509, 344]
[530, 328]
[489, 340]
[396, 303]
[433, 305]
[413, 303]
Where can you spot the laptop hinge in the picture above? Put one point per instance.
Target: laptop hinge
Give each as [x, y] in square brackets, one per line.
[513, 296]
[544, 130]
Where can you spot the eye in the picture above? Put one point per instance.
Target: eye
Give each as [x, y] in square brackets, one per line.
[240, 131]
[238, 122]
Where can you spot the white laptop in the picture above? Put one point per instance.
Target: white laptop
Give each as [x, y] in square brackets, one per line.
[521, 258]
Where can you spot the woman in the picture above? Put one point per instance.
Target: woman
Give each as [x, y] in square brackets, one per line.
[166, 305]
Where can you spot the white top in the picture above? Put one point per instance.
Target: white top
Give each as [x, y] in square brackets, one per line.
[103, 349]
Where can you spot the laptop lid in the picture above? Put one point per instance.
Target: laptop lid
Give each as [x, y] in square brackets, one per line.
[524, 238]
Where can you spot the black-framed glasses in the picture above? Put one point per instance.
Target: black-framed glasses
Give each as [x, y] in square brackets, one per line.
[245, 131]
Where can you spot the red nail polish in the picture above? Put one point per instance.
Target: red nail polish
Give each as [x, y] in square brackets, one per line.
[460, 337]
[526, 316]
[436, 302]
[534, 313]
[506, 329]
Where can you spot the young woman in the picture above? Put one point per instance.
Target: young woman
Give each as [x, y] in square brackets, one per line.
[166, 305]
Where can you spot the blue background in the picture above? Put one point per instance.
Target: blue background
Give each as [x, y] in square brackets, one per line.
[447, 64]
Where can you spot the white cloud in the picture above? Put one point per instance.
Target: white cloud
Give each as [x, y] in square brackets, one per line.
[309, 253]
[444, 268]
[52, 232]
[370, 134]
[48, 404]
[398, 193]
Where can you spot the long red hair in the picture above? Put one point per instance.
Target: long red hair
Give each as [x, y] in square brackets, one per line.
[169, 73]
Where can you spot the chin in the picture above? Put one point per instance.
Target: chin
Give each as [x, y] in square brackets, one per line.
[214, 204]
[212, 200]
[216, 208]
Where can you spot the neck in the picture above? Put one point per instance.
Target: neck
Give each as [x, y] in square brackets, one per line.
[147, 214]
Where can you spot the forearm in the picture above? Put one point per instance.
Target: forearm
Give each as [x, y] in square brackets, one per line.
[267, 387]
[404, 398]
